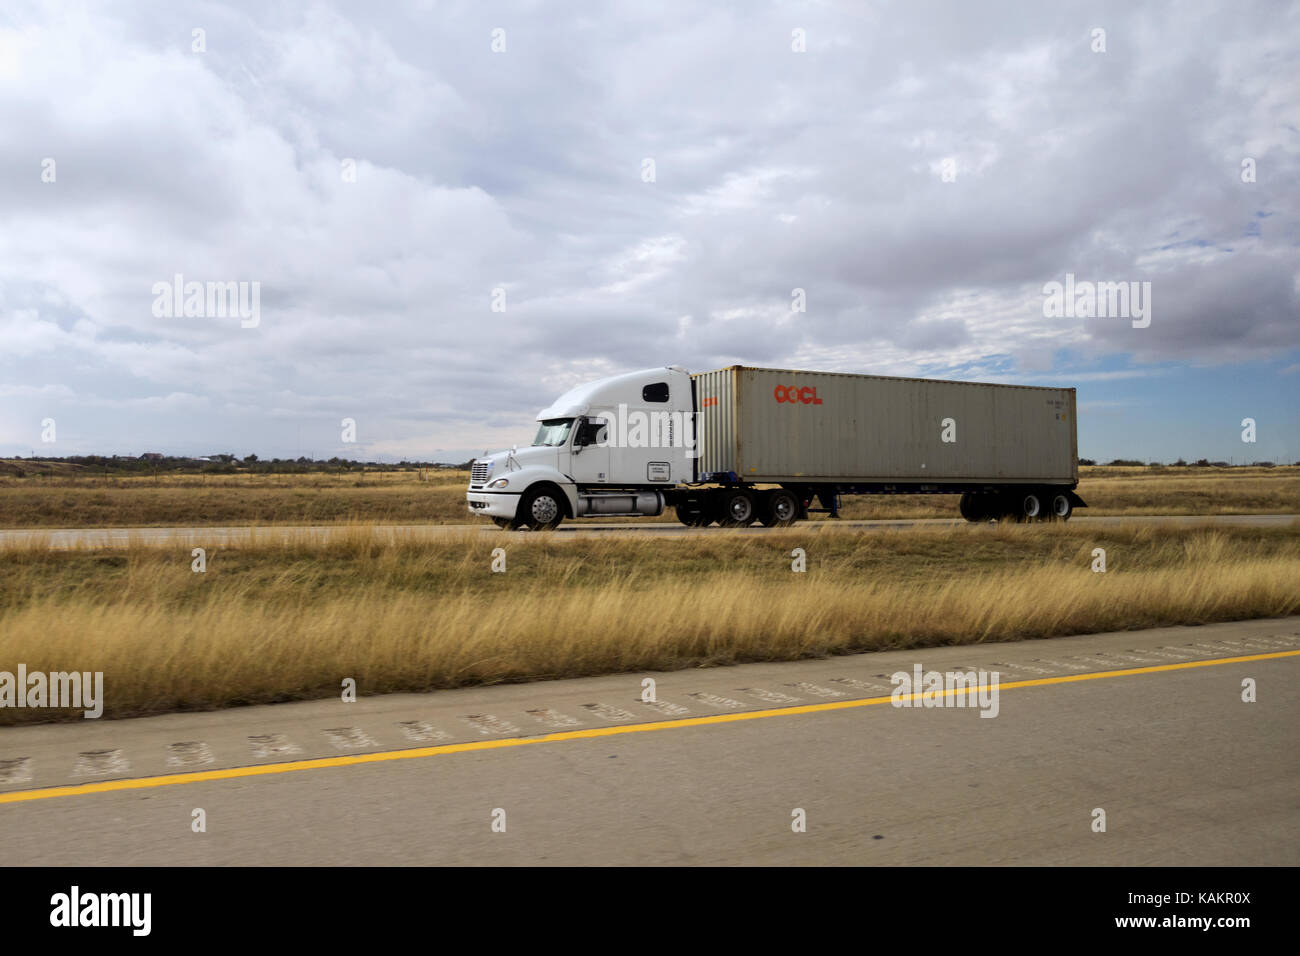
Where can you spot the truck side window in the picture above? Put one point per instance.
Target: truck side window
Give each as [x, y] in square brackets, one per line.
[658, 392]
[591, 433]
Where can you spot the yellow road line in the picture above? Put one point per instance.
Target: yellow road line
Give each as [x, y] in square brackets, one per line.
[320, 763]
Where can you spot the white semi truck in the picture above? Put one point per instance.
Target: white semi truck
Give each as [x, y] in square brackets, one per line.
[741, 445]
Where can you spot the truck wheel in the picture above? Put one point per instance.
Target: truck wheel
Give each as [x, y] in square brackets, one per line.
[692, 513]
[778, 509]
[539, 510]
[976, 507]
[1061, 508]
[737, 509]
[1029, 506]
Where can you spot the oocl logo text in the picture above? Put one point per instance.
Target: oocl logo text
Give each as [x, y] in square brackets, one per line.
[790, 393]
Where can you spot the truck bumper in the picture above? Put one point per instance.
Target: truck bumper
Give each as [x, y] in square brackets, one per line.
[492, 505]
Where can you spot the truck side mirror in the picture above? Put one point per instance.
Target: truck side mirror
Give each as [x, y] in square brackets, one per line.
[588, 432]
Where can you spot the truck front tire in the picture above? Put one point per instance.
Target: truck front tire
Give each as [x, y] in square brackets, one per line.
[540, 509]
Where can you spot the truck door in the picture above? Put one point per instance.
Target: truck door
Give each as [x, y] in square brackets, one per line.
[589, 451]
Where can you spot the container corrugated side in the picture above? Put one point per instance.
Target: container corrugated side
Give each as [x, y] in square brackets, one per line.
[715, 394]
[788, 425]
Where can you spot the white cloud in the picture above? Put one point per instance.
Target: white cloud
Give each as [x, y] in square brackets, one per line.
[474, 170]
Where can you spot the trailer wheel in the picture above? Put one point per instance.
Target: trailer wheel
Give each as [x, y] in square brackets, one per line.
[1061, 508]
[1029, 506]
[737, 509]
[540, 510]
[778, 509]
[692, 513]
[976, 507]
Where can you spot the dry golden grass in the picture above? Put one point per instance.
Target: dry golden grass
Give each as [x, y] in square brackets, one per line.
[404, 497]
[281, 621]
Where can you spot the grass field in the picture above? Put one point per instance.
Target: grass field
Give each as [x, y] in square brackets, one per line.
[407, 497]
[282, 621]
[438, 497]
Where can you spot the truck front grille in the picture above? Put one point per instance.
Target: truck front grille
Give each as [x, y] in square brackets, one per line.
[478, 472]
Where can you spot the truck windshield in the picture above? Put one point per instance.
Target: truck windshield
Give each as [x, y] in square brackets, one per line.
[553, 432]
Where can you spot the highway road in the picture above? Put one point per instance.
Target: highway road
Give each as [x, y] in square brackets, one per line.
[1148, 726]
[59, 538]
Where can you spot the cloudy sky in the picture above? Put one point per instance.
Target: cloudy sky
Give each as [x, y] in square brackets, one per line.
[637, 185]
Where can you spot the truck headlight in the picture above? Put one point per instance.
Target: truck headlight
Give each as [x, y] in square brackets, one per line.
[499, 483]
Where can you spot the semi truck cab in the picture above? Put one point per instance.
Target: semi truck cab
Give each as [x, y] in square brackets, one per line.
[610, 447]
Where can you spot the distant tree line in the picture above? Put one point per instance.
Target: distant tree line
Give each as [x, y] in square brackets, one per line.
[1180, 463]
[152, 463]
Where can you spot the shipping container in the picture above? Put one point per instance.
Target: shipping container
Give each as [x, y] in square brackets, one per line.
[783, 425]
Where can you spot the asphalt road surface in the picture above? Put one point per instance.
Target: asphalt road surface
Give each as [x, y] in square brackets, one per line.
[1148, 726]
[229, 536]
